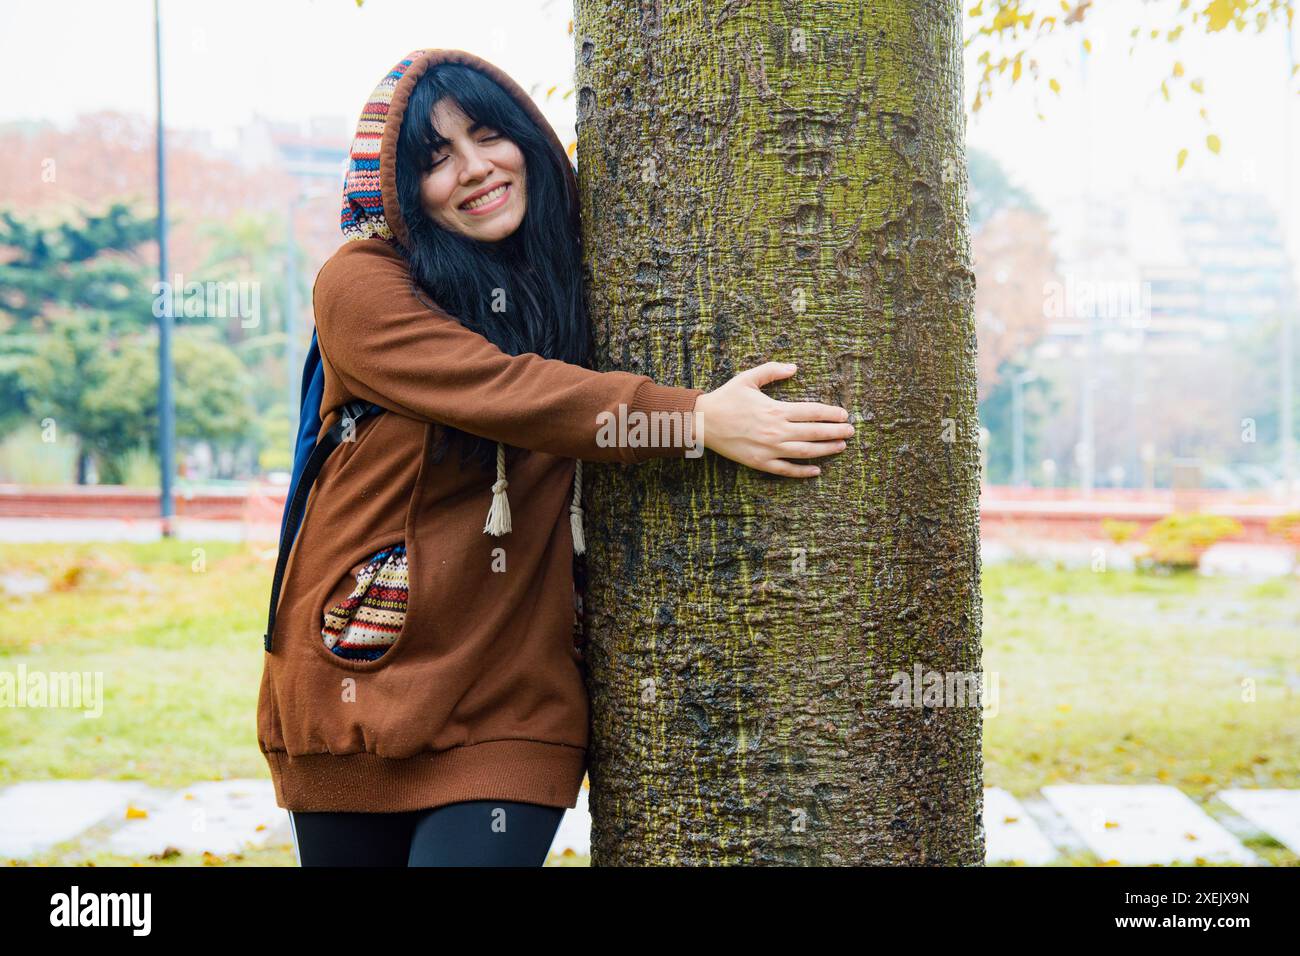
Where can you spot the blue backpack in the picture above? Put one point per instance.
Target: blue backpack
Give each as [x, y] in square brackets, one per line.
[308, 457]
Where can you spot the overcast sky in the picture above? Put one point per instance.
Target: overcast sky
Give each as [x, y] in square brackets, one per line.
[290, 59]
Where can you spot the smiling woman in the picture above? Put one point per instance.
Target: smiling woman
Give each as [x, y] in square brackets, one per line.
[477, 182]
[455, 304]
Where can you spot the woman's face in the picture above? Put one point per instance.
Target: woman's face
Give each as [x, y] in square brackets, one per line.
[472, 168]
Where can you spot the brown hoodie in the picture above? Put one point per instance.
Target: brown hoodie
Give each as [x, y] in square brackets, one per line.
[481, 696]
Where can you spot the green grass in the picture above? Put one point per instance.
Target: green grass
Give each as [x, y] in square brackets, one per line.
[1099, 677]
[1123, 678]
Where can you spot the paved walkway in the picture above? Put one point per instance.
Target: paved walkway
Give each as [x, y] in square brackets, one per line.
[1137, 825]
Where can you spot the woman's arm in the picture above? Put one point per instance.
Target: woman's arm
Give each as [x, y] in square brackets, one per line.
[389, 347]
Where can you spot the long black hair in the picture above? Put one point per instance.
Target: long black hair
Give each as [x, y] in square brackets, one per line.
[537, 267]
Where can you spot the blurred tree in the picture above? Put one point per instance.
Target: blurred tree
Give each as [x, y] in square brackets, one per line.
[1014, 265]
[1013, 262]
[991, 190]
[76, 303]
[83, 267]
[77, 264]
[103, 389]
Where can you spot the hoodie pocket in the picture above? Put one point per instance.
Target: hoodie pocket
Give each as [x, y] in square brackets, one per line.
[368, 622]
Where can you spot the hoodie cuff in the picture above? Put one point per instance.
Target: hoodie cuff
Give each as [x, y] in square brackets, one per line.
[677, 434]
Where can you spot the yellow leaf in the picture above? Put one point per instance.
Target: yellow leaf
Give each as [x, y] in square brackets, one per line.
[1220, 13]
[1197, 85]
[551, 90]
[135, 813]
[1164, 88]
[1182, 157]
[1212, 141]
[1006, 18]
[1015, 71]
[1087, 44]
[1056, 87]
[1178, 68]
[1112, 825]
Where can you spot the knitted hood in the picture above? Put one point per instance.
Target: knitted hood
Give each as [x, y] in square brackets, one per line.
[371, 209]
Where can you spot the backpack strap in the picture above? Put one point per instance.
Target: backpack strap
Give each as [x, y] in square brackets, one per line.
[351, 413]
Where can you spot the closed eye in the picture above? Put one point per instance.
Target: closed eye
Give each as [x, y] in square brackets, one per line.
[485, 139]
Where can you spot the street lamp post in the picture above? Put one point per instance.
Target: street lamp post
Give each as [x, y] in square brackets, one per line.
[166, 401]
[1018, 382]
[291, 317]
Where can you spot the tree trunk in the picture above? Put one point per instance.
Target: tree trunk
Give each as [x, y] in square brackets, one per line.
[760, 186]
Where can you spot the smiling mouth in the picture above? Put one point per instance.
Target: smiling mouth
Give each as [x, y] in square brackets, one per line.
[487, 200]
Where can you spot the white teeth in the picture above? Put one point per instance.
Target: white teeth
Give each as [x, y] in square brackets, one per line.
[486, 198]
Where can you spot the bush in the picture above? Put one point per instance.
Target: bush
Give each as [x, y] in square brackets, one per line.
[137, 468]
[27, 460]
[1286, 526]
[1177, 541]
[1119, 531]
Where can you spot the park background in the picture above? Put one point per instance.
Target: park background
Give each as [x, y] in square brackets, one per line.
[1134, 231]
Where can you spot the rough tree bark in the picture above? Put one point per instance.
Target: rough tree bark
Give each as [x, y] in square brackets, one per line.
[784, 181]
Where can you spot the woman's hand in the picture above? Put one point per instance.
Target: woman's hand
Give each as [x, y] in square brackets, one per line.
[745, 425]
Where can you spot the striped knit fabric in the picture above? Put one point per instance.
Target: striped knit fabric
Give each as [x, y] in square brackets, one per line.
[366, 623]
[363, 207]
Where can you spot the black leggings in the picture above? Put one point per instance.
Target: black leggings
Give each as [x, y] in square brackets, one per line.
[470, 833]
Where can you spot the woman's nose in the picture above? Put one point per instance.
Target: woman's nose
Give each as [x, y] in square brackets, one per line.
[477, 166]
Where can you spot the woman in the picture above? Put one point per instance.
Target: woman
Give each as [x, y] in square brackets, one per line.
[424, 703]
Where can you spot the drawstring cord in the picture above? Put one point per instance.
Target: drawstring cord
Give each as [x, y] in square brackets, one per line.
[498, 519]
[575, 510]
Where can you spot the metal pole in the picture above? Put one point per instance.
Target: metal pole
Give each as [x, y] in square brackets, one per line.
[1086, 432]
[166, 403]
[1287, 386]
[291, 319]
[1017, 432]
[1018, 383]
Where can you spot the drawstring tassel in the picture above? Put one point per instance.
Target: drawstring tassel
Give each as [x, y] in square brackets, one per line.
[498, 519]
[575, 510]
